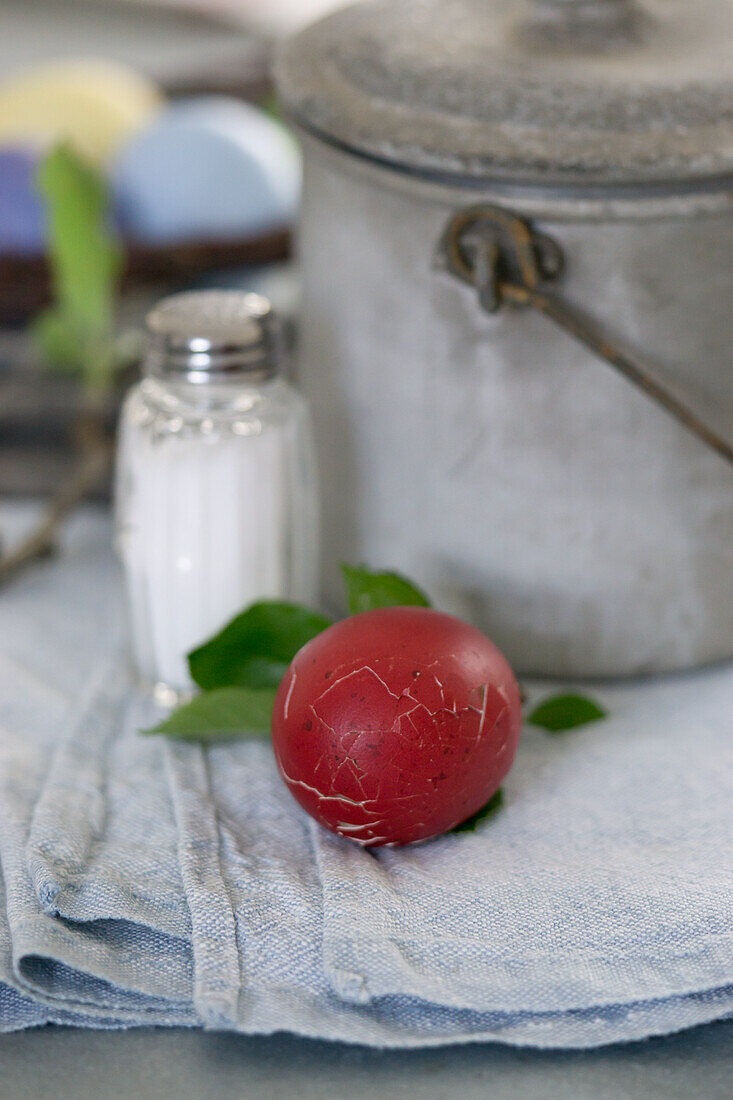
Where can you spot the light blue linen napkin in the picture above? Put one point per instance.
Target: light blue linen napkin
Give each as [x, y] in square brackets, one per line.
[159, 883]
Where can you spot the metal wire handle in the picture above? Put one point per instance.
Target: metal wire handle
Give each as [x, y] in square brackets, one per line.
[509, 262]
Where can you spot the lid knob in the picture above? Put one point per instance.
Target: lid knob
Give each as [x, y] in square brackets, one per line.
[589, 6]
[602, 16]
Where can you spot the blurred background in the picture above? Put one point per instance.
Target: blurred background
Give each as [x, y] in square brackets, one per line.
[141, 151]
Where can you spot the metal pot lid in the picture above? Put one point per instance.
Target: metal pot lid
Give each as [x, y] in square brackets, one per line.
[528, 91]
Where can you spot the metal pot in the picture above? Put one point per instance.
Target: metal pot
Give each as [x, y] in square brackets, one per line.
[464, 163]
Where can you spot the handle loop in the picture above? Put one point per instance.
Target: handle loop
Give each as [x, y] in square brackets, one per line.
[508, 262]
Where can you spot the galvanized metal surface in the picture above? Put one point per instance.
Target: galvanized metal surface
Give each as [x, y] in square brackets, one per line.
[491, 457]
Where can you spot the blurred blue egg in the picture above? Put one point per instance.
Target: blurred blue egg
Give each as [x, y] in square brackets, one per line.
[209, 168]
[22, 219]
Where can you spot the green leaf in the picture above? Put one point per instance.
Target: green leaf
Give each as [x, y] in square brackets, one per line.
[85, 264]
[58, 338]
[367, 590]
[255, 649]
[469, 825]
[565, 712]
[222, 715]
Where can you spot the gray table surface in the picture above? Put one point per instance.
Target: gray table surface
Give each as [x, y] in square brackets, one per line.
[161, 1065]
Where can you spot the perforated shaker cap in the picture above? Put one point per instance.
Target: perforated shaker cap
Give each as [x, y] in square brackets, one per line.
[560, 92]
[205, 335]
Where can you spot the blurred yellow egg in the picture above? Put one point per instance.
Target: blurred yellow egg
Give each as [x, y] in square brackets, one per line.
[95, 105]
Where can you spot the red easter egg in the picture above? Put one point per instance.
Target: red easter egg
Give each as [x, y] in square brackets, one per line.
[396, 725]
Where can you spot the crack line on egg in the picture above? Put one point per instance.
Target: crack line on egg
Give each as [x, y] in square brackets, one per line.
[327, 797]
[290, 692]
[347, 827]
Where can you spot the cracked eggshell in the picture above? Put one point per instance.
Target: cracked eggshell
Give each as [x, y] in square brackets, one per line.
[395, 725]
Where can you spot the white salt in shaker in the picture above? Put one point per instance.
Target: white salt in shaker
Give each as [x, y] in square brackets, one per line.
[216, 492]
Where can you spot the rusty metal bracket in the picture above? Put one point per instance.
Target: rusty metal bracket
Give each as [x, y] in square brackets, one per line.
[509, 263]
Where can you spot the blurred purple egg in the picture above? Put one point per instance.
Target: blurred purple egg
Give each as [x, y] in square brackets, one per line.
[22, 217]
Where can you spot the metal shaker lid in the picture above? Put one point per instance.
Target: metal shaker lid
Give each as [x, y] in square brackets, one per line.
[202, 335]
[566, 92]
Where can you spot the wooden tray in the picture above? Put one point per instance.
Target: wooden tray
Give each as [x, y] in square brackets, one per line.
[25, 286]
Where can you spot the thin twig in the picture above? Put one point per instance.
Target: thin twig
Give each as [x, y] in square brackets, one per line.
[95, 450]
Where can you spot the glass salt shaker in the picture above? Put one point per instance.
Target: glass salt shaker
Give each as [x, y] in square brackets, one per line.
[216, 496]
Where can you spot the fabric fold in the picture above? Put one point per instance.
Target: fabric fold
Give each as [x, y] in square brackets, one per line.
[73, 943]
[113, 930]
[214, 941]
